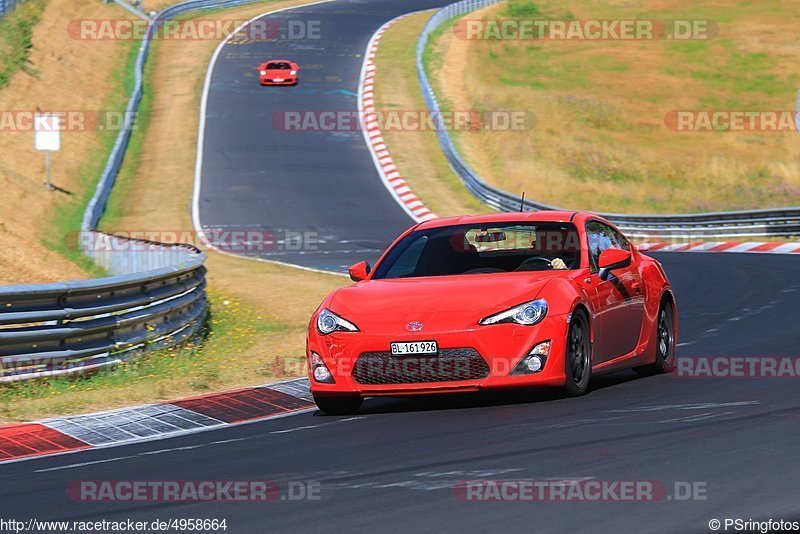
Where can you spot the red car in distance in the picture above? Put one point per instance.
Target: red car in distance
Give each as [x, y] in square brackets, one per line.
[511, 300]
[278, 72]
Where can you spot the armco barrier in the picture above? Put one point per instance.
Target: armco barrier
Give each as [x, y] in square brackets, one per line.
[6, 6]
[155, 299]
[750, 223]
[69, 327]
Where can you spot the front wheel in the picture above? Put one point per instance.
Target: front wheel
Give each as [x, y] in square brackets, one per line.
[665, 343]
[338, 405]
[578, 356]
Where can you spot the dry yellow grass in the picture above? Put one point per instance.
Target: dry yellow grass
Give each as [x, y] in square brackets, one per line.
[69, 74]
[600, 141]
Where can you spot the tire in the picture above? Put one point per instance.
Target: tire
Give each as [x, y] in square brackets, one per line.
[338, 405]
[665, 343]
[578, 356]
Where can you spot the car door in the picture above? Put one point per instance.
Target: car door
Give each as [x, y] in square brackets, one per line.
[618, 300]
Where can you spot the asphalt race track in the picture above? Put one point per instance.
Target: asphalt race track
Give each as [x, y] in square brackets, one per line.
[321, 185]
[394, 465]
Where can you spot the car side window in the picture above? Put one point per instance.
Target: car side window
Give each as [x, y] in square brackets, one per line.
[602, 237]
[597, 243]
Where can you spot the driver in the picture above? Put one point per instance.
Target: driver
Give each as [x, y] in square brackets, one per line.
[540, 246]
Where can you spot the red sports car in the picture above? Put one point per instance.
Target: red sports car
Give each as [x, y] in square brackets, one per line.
[510, 300]
[278, 72]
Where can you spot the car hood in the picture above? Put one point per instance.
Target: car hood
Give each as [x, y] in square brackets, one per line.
[440, 303]
[278, 73]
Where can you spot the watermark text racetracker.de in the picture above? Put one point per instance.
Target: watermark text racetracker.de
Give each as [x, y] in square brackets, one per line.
[241, 241]
[195, 29]
[403, 120]
[585, 30]
[73, 120]
[579, 490]
[732, 120]
[738, 366]
[219, 491]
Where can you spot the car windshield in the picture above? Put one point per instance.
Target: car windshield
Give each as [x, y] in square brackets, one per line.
[483, 249]
[278, 65]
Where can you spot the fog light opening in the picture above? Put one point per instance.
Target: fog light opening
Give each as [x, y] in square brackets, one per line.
[534, 361]
[320, 370]
[534, 364]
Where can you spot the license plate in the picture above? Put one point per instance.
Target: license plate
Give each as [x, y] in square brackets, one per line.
[278, 80]
[414, 347]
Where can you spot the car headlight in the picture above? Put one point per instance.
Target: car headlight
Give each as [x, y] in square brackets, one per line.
[292, 73]
[527, 313]
[328, 322]
[262, 72]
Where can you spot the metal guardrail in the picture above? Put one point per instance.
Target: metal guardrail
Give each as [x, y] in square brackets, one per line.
[70, 327]
[749, 223]
[6, 6]
[156, 298]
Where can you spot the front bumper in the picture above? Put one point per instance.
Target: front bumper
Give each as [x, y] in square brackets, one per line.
[285, 81]
[502, 346]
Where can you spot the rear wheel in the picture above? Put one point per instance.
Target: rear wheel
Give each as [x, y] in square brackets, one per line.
[338, 405]
[578, 356]
[665, 343]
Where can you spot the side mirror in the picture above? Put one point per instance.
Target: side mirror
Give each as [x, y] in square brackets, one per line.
[613, 258]
[359, 271]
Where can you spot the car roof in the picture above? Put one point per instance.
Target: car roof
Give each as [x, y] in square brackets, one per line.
[514, 216]
[278, 61]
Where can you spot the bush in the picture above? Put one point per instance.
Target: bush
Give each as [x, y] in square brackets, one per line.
[523, 8]
[16, 38]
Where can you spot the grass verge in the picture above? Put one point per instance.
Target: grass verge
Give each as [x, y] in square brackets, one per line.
[601, 141]
[417, 153]
[67, 217]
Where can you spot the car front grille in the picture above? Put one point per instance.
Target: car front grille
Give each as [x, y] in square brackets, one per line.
[448, 366]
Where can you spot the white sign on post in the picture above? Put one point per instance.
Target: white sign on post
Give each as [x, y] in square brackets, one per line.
[47, 127]
[47, 137]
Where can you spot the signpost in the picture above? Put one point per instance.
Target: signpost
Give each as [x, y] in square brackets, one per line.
[47, 137]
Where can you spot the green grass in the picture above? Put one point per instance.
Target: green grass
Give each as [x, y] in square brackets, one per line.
[16, 34]
[523, 8]
[117, 202]
[198, 364]
[718, 63]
